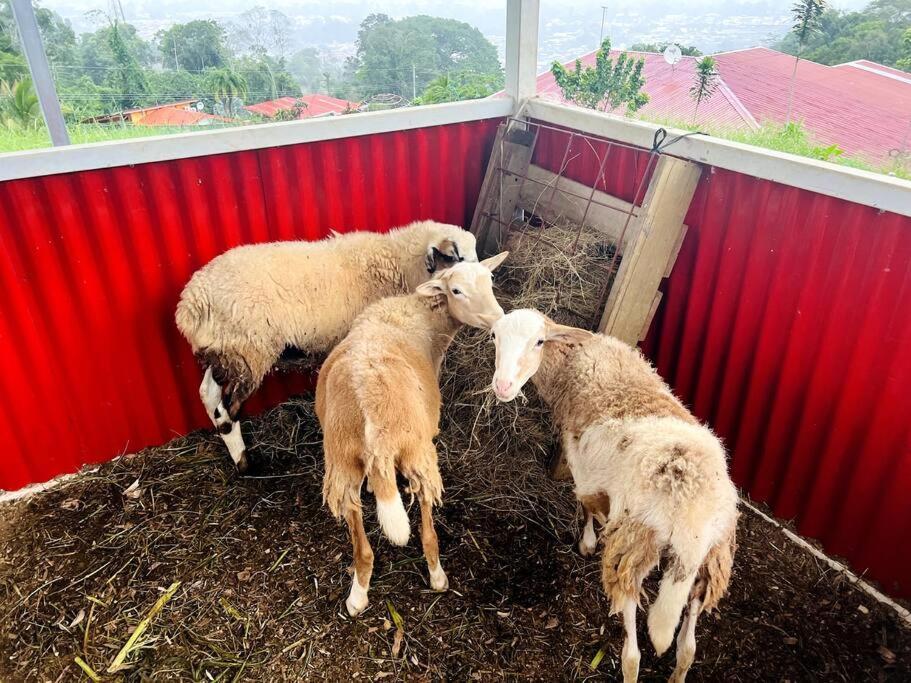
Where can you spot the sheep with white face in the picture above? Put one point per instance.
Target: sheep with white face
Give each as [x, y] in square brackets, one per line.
[642, 465]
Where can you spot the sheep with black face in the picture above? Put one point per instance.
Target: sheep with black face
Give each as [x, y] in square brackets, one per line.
[246, 307]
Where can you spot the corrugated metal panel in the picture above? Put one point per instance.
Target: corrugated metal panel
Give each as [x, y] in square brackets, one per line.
[786, 325]
[92, 263]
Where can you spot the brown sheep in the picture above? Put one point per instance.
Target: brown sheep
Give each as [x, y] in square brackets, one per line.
[378, 402]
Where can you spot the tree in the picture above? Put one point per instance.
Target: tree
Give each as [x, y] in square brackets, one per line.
[266, 78]
[260, 31]
[127, 78]
[607, 86]
[874, 33]
[460, 86]
[226, 87]
[403, 56]
[95, 57]
[807, 15]
[314, 72]
[705, 82]
[18, 103]
[905, 61]
[194, 46]
[687, 50]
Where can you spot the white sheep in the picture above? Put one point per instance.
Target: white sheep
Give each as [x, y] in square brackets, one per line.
[378, 402]
[641, 463]
[248, 306]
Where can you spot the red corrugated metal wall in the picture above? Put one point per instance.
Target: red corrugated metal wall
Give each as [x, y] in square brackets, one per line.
[92, 263]
[786, 324]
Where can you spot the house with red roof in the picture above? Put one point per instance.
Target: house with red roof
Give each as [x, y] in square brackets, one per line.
[310, 106]
[862, 107]
[182, 113]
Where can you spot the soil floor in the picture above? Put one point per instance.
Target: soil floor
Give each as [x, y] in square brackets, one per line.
[262, 572]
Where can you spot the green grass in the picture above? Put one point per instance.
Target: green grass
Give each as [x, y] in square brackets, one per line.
[15, 140]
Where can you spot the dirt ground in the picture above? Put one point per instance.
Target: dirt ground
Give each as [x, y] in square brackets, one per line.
[263, 579]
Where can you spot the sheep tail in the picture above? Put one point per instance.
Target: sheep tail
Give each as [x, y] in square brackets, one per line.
[664, 614]
[192, 314]
[707, 583]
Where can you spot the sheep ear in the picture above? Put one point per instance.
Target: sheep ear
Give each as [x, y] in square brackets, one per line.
[566, 334]
[494, 261]
[431, 288]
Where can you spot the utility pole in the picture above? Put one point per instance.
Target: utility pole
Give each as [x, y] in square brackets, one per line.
[603, 12]
[38, 67]
[414, 84]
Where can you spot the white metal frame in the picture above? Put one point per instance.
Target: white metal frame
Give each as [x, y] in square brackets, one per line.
[862, 187]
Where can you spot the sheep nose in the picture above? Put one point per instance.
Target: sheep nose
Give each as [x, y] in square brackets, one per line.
[503, 386]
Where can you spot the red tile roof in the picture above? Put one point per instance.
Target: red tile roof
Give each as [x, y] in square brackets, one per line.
[178, 117]
[317, 105]
[864, 113]
[668, 89]
[863, 107]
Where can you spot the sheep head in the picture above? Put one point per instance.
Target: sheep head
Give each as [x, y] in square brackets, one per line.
[520, 337]
[468, 288]
[448, 245]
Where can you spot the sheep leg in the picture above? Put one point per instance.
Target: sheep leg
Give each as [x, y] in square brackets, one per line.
[686, 642]
[630, 656]
[363, 561]
[429, 540]
[589, 541]
[596, 507]
[210, 391]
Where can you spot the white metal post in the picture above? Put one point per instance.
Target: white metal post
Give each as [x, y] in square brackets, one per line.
[41, 72]
[522, 18]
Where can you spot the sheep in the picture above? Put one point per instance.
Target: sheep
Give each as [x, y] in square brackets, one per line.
[378, 402]
[248, 306]
[642, 464]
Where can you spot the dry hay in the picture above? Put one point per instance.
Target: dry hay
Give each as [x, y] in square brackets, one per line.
[498, 453]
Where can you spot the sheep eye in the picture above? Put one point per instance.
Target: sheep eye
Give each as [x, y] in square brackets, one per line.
[540, 342]
[493, 336]
[456, 291]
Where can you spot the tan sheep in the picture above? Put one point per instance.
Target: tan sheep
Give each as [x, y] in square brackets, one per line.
[642, 465]
[378, 402]
[248, 306]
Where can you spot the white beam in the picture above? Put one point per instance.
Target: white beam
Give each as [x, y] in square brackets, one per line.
[862, 187]
[195, 144]
[24, 15]
[522, 18]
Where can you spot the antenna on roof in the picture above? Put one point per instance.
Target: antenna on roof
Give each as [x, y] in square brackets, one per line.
[672, 55]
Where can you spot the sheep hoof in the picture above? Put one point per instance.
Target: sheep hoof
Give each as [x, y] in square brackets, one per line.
[438, 579]
[587, 549]
[357, 599]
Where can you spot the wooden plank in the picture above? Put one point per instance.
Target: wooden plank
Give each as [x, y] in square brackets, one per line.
[517, 146]
[568, 203]
[657, 231]
[479, 222]
[651, 314]
[675, 252]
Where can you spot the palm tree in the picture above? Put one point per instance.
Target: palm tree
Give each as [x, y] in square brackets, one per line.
[807, 14]
[705, 83]
[227, 85]
[21, 102]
